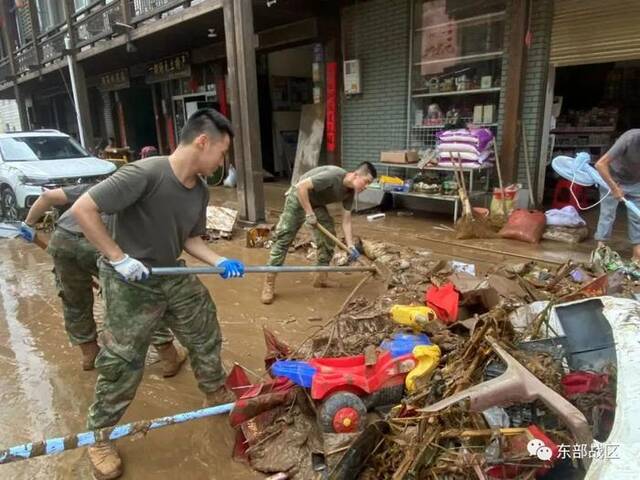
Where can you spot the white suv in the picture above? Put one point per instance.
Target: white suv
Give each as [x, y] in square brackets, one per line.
[31, 162]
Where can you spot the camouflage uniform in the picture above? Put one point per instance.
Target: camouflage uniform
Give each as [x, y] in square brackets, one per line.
[187, 308]
[292, 218]
[75, 263]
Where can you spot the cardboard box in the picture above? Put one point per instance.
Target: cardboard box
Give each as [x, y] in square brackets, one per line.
[488, 114]
[478, 113]
[399, 156]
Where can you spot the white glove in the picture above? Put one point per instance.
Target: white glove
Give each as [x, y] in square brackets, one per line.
[131, 269]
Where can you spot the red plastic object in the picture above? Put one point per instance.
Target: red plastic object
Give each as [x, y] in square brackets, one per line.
[346, 420]
[444, 300]
[350, 374]
[518, 446]
[562, 194]
[575, 383]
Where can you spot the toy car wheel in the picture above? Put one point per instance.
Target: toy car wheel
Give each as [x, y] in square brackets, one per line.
[342, 412]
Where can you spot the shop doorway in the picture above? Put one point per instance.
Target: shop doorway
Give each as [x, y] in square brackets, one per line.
[186, 105]
[285, 84]
[588, 107]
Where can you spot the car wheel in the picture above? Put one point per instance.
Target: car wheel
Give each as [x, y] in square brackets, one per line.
[9, 205]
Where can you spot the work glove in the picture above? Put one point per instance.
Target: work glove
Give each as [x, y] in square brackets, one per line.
[27, 232]
[354, 254]
[131, 269]
[232, 268]
[311, 220]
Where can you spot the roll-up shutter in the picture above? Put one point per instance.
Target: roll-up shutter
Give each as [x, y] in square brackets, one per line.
[593, 31]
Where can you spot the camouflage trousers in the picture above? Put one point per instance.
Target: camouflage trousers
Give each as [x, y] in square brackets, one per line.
[134, 311]
[292, 218]
[75, 264]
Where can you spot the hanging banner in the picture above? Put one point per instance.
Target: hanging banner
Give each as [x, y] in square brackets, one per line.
[332, 106]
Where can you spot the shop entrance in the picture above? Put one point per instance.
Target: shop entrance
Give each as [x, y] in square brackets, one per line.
[285, 83]
[185, 105]
[592, 106]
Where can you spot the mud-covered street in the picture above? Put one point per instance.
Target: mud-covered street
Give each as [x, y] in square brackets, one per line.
[44, 392]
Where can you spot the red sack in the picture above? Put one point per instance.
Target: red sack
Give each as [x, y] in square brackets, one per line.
[525, 225]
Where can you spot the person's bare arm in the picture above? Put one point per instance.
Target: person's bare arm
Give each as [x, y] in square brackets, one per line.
[87, 214]
[302, 191]
[196, 247]
[347, 227]
[602, 166]
[48, 199]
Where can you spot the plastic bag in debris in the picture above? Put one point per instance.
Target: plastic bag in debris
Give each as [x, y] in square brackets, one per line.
[524, 225]
[566, 234]
[503, 200]
[230, 181]
[564, 217]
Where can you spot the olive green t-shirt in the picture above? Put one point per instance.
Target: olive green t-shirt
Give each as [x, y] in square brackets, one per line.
[67, 221]
[155, 213]
[328, 187]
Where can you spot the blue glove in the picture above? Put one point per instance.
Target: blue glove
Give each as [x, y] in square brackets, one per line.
[232, 267]
[27, 232]
[354, 254]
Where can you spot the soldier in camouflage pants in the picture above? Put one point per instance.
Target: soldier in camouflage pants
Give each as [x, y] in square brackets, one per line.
[75, 263]
[292, 218]
[185, 304]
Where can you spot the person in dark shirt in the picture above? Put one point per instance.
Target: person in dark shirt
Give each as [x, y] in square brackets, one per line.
[620, 169]
[160, 207]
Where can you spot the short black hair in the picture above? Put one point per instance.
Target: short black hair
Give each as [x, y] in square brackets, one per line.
[205, 120]
[368, 167]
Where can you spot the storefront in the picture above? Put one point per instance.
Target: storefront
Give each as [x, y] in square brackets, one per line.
[593, 93]
[179, 88]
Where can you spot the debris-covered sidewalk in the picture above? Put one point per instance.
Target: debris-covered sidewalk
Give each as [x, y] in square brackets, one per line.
[451, 373]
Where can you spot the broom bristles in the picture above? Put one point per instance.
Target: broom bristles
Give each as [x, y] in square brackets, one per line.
[470, 226]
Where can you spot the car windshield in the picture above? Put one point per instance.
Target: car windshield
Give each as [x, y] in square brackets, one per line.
[31, 148]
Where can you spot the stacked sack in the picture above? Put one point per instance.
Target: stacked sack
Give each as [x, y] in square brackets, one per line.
[565, 225]
[472, 147]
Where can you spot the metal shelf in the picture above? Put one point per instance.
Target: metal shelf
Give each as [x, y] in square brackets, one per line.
[475, 91]
[487, 17]
[466, 58]
[568, 130]
[437, 196]
[601, 145]
[442, 126]
[447, 168]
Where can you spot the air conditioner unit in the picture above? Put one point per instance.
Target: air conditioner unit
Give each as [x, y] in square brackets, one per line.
[352, 81]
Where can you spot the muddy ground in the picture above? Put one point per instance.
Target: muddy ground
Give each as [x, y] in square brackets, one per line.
[44, 393]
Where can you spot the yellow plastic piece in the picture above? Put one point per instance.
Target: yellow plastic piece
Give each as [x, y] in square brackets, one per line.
[427, 358]
[388, 179]
[412, 315]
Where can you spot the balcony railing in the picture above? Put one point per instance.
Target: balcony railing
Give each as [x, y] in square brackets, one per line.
[26, 58]
[52, 43]
[91, 24]
[96, 22]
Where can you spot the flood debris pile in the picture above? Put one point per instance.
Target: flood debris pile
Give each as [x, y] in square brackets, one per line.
[450, 374]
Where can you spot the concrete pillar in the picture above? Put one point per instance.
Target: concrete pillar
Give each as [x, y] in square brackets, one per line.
[243, 89]
[78, 82]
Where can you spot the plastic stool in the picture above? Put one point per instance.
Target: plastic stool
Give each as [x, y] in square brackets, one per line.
[562, 195]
